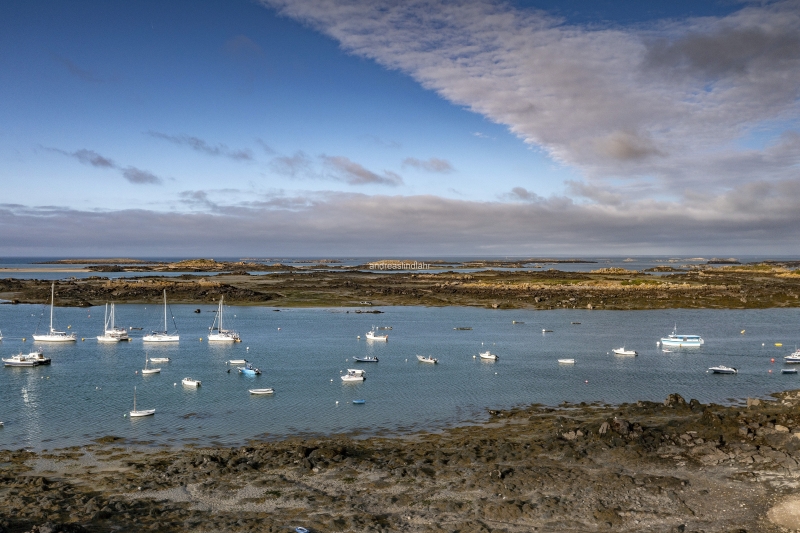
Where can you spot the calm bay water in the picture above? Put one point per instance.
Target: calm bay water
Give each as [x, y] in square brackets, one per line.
[84, 394]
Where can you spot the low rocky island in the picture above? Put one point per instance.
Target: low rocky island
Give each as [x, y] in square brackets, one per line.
[675, 466]
[731, 286]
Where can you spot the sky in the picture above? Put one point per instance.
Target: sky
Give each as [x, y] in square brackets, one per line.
[268, 128]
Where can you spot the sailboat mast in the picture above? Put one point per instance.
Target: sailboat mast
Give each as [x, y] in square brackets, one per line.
[52, 302]
[165, 310]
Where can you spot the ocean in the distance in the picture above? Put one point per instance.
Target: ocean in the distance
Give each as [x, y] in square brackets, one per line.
[88, 388]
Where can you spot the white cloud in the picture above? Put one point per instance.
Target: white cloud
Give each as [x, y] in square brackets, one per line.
[667, 102]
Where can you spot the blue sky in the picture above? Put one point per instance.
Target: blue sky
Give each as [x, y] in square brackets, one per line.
[361, 128]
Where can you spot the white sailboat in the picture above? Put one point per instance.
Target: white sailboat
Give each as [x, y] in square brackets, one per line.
[54, 335]
[144, 412]
[222, 334]
[146, 371]
[162, 336]
[111, 333]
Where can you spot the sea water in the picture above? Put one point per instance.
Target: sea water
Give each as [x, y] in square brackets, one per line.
[88, 390]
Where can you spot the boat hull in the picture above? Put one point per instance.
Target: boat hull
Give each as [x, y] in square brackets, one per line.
[161, 338]
[55, 338]
[145, 412]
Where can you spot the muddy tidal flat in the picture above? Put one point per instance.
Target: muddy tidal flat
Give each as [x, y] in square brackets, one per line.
[675, 466]
[736, 286]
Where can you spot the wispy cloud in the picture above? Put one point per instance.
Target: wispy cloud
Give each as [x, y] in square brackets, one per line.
[92, 158]
[433, 164]
[78, 72]
[355, 174]
[200, 145]
[265, 147]
[299, 165]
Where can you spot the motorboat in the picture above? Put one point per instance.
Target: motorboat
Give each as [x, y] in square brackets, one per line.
[566, 361]
[354, 374]
[623, 351]
[359, 402]
[111, 333]
[165, 335]
[159, 359]
[792, 358]
[249, 370]
[372, 336]
[427, 359]
[517, 322]
[222, 334]
[367, 359]
[385, 327]
[261, 391]
[488, 356]
[788, 371]
[30, 359]
[189, 382]
[722, 369]
[146, 371]
[53, 335]
[143, 412]
[237, 362]
[463, 329]
[682, 341]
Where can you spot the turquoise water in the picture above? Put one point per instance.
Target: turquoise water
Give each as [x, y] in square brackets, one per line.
[84, 394]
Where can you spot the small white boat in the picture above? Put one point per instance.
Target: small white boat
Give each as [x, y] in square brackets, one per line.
[372, 336]
[238, 362]
[366, 359]
[53, 335]
[788, 371]
[792, 358]
[427, 359]
[488, 356]
[722, 369]
[163, 336]
[143, 412]
[354, 374]
[682, 341]
[30, 359]
[146, 371]
[222, 334]
[261, 391]
[623, 351]
[159, 359]
[566, 361]
[189, 382]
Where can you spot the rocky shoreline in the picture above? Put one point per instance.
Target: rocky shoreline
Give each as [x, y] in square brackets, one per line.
[675, 466]
[755, 286]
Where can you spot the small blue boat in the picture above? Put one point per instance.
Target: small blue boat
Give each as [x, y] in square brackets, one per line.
[249, 370]
[359, 401]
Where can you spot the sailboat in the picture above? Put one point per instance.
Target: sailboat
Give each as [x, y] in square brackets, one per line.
[53, 335]
[162, 336]
[222, 335]
[111, 333]
[146, 370]
[144, 412]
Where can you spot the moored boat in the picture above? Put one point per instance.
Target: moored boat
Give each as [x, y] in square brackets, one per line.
[488, 356]
[682, 341]
[249, 370]
[163, 336]
[222, 334]
[261, 391]
[427, 359]
[138, 412]
[623, 351]
[354, 374]
[722, 369]
[159, 359]
[111, 333]
[53, 335]
[788, 371]
[189, 382]
[367, 359]
[372, 336]
[30, 359]
[793, 357]
[566, 361]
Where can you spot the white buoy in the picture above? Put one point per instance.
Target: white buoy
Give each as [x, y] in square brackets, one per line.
[337, 402]
[331, 381]
[474, 357]
[174, 384]
[247, 348]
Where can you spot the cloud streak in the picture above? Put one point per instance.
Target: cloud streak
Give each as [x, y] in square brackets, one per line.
[132, 174]
[355, 174]
[434, 164]
[199, 145]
